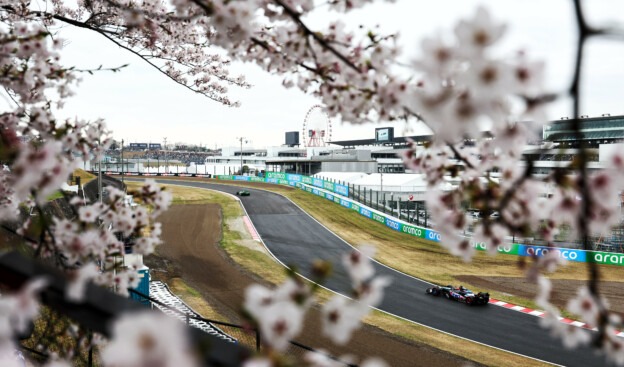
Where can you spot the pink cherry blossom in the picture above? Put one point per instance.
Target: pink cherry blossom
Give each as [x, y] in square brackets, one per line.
[138, 340]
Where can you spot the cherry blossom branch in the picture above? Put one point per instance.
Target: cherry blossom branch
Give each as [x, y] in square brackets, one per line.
[295, 16]
[585, 32]
[459, 156]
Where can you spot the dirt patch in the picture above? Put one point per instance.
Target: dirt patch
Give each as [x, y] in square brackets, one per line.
[563, 290]
[191, 235]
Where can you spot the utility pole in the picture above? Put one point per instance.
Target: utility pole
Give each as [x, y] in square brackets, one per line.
[166, 162]
[241, 153]
[99, 158]
[122, 162]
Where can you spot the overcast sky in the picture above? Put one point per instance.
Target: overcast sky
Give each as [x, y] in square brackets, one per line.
[141, 105]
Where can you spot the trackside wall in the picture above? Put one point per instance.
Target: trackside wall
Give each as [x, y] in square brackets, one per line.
[338, 194]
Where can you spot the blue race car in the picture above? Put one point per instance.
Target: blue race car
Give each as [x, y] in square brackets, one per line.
[460, 294]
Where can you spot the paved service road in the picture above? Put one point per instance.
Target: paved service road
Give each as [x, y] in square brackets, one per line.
[296, 240]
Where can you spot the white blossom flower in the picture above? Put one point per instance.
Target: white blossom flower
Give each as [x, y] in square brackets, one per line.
[279, 323]
[341, 317]
[139, 339]
[358, 264]
[586, 306]
[320, 358]
[372, 292]
[78, 281]
[258, 362]
[479, 33]
[374, 362]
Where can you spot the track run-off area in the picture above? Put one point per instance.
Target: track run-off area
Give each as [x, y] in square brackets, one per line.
[296, 239]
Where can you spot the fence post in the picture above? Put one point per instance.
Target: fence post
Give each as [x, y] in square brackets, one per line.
[383, 201]
[376, 199]
[370, 197]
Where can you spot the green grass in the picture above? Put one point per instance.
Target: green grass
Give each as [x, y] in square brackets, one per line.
[266, 267]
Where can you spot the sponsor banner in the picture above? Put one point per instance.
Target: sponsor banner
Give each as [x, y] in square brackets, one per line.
[507, 249]
[414, 231]
[294, 178]
[365, 212]
[149, 174]
[241, 178]
[432, 235]
[379, 218]
[203, 175]
[539, 251]
[392, 224]
[607, 258]
[256, 179]
[341, 189]
[277, 175]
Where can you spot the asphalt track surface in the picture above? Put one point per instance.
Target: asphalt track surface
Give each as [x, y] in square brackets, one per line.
[296, 239]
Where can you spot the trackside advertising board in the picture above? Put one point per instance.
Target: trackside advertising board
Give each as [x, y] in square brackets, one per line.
[516, 249]
[328, 190]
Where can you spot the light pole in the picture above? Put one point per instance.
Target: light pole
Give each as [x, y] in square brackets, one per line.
[241, 153]
[99, 158]
[166, 162]
[122, 162]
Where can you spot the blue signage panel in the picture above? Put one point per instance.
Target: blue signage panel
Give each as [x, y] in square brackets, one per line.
[341, 189]
[432, 235]
[564, 253]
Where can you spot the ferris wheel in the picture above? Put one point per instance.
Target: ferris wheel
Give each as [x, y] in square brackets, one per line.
[317, 129]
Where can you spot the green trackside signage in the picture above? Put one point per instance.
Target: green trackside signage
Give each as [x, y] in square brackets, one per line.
[607, 258]
[508, 249]
[318, 186]
[406, 228]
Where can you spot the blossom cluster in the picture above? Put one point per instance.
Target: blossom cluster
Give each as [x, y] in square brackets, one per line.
[280, 312]
[458, 86]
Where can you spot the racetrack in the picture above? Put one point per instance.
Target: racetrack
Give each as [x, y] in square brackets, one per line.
[296, 239]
